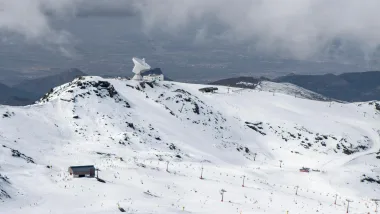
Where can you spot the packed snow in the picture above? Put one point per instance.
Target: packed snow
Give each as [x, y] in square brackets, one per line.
[166, 147]
[291, 89]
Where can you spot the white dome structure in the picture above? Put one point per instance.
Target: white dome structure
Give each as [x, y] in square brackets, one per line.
[139, 68]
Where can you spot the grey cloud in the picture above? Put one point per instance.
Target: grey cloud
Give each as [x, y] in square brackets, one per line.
[26, 18]
[107, 8]
[299, 29]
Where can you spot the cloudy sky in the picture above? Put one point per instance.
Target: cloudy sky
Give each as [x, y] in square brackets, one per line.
[306, 30]
[301, 28]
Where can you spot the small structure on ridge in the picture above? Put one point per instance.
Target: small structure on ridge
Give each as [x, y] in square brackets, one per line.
[208, 89]
[304, 169]
[82, 171]
[153, 77]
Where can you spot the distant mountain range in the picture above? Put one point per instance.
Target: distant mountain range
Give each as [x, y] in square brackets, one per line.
[240, 82]
[14, 96]
[41, 86]
[29, 91]
[351, 87]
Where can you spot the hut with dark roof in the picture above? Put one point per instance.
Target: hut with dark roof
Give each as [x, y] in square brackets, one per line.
[208, 89]
[82, 171]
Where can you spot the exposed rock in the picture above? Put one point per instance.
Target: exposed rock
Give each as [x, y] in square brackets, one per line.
[377, 106]
[8, 114]
[370, 179]
[16, 153]
[256, 126]
[172, 147]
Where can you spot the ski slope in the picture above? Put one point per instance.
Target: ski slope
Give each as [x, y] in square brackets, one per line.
[133, 131]
[290, 89]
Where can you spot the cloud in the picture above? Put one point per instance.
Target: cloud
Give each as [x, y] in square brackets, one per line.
[299, 29]
[107, 8]
[28, 19]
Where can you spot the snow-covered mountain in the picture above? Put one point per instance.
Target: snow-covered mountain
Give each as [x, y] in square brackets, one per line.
[264, 84]
[290, 89]
[134, 131]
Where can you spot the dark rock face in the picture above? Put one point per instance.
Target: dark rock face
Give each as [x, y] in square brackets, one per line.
[366, 178]
[8, 114]
[256, 126]
[244, 149]
[172, 147]
[4, 193]
[196, 108]
[4, 178]
[4, 181]
[311, 140]
[17, 154]
[130, 125]
[103, 85]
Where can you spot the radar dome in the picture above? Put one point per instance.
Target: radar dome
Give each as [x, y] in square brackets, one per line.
[140, 67]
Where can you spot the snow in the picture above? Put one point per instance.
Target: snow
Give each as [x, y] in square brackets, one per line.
[290, 89]
[245, 83]
[129, 130]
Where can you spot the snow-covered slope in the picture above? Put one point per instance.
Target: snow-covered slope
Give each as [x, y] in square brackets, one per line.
[263, 84]
[290, 89]
[133, 131]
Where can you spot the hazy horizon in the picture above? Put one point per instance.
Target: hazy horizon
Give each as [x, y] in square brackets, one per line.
[100, 38]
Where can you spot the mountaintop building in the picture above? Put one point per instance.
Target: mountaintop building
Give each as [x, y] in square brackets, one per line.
[153, 77]
[208, 89]
[82, 171]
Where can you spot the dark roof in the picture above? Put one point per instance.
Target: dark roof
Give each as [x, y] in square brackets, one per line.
[209, 88]
[155, 71]
[87, 166]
